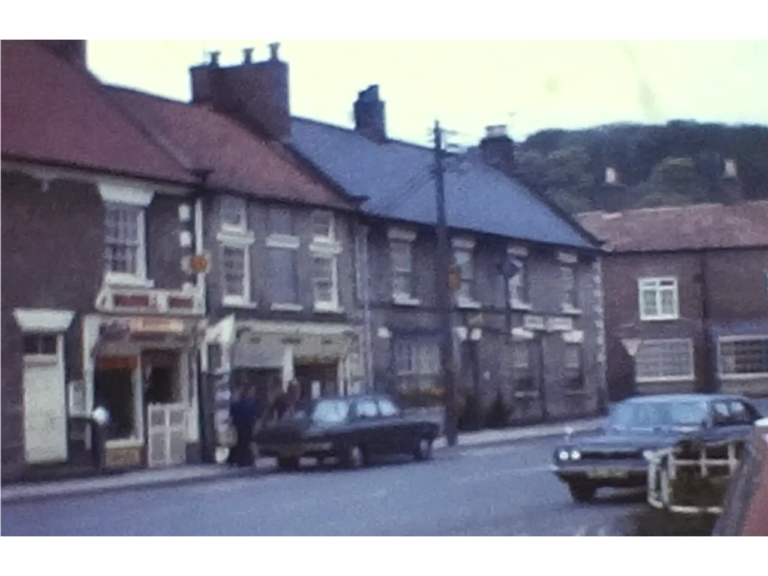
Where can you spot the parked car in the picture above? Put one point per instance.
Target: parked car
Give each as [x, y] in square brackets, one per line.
[351, 430]
[615, 457]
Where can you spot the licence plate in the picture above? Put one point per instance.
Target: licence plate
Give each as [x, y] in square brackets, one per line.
[607, 474]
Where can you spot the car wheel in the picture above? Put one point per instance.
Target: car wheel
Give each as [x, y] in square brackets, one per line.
[288, 464]
[423, 449]
[354, 457]
[582, 492]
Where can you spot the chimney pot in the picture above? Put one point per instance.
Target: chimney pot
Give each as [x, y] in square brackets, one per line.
[273, 51]
[247, 55]
[215, 59]
[497, 131]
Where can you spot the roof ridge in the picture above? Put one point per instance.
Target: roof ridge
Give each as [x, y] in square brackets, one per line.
[389, 140]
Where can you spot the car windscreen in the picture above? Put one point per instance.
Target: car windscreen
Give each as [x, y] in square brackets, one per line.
[330, 411]
[651, 415]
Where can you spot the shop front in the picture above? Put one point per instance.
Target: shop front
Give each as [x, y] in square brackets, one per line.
[322, 358]
[143, 371]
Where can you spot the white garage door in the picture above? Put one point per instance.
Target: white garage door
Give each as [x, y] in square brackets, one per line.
[45, 416]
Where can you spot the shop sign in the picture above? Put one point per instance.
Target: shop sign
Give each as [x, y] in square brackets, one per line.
[157, 325]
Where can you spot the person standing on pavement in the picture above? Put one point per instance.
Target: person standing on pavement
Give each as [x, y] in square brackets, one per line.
[245, 412]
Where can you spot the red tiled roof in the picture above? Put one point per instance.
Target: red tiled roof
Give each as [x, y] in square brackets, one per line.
[240, 159]
[702, 226]
[53, 111]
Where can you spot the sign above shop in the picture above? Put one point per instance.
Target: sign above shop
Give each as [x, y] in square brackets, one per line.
[156, 325]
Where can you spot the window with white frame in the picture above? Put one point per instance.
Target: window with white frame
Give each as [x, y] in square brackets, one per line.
[283, 255]
[658, 299]
[463, 257]
[518, 284]
[664, 360]
[417, 363]
[233, 214]
[325, 281]
[124, 240]
[401, 253]
[570, 286]
[323, 225]
[743, 356]
[521, 356]
[235, 274]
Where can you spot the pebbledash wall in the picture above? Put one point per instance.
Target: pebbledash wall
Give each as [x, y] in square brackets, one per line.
[55, 299]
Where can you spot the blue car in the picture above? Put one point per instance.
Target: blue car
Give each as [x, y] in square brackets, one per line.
[615, 456]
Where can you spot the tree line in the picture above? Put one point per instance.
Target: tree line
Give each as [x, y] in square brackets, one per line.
[676, 164]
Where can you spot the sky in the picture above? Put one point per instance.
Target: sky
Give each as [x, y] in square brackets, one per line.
[528, 85]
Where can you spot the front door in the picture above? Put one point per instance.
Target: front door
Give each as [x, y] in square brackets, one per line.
[166, 435]
[317, 379]
[45, 412]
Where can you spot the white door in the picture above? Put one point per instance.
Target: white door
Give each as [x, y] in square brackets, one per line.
[45, 411]
[167, 435]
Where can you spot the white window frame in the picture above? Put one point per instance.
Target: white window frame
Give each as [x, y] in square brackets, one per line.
[690, 377]
[655, 285]
[331, 237]
[417, 352]
[132, 198]
[237, 205]
[736, 376]
[519, 347]
[466, 246]
[579, 351]
[519, 292]
[233, 300]
[332, 305]
[287, 242]
[402, 238]
[570, 294]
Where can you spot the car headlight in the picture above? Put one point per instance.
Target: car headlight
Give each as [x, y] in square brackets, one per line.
[575, 455]
[563, 455]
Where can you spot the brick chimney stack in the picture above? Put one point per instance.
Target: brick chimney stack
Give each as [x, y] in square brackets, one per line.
[370, 114]
[498, 150]
[253, 92]
[73, 51]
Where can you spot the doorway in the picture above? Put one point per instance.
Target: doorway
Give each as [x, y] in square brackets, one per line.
[317, 379]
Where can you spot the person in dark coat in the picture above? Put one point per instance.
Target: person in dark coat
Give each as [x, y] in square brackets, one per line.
[245, 413]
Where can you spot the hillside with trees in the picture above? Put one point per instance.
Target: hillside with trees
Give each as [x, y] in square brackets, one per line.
[676, 164]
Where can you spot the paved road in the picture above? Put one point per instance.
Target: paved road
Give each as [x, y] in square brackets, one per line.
[498, 491]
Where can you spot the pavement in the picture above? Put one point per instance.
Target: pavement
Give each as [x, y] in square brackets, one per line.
[494, 490]
[210, 472]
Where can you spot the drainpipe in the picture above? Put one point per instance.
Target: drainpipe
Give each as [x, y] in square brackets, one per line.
[708, 380]
[363, 279]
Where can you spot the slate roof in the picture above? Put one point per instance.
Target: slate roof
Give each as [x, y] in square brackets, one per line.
[396, 178]
[55, 112]
[702, 226]
[241, 160]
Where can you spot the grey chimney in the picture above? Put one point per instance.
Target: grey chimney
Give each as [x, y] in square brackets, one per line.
[370, 118]
[498, 150]
[73, 51]
[256, 93]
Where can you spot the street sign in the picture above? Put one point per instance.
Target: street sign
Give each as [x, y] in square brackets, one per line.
[631, 345]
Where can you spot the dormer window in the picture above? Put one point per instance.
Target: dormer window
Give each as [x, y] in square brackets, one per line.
[233, 214]
[323, 226]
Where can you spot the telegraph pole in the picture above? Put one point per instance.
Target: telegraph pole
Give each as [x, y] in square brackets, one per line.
[444, 299]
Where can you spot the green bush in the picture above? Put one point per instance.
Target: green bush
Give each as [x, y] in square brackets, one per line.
[653, 522]
[499, 413]
[471, 418]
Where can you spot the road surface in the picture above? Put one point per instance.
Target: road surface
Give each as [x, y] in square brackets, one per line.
[497, 491]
